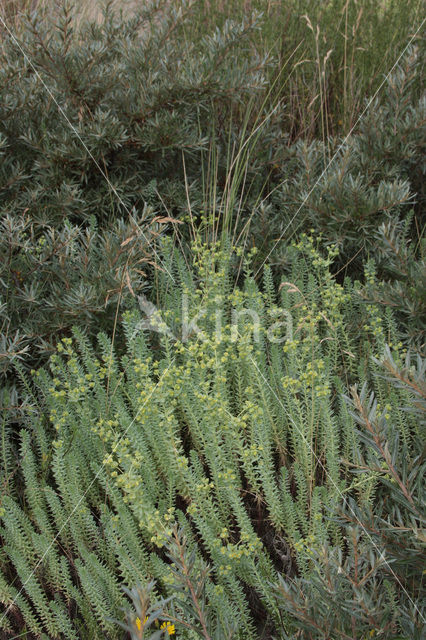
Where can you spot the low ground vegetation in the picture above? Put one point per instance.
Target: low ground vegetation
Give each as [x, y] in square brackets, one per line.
[212, 303]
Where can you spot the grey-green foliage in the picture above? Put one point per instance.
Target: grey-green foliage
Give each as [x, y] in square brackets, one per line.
[365, 193]
[347, 49]
[347, 188]
[400, 261]
[96, 116]
[239, 439]
[53, 277]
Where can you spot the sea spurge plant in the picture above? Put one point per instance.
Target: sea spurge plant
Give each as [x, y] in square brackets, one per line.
[227, 423]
